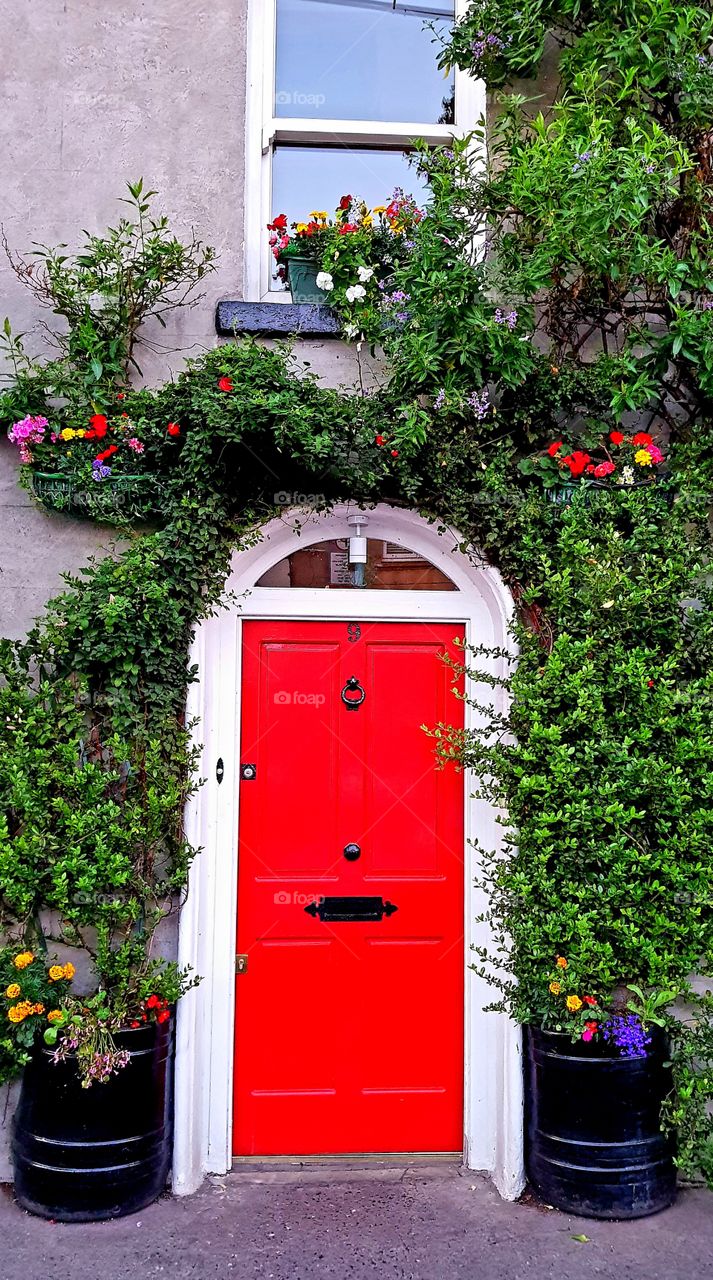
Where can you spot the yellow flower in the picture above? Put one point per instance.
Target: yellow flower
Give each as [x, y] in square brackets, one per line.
[24, 958]
[19, 1012]
[54, 1015]
[56, 972]
[38, 1008]
[555, 988]
[561, 962]
[67, 434]
[367, 221]
[81, 434]
[300, 227]
[573, 1003]
[13, 991]
[379, 208]
[319, 214]
[69, 970]
[643, 457]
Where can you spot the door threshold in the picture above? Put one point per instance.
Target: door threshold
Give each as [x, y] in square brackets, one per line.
[386, 1159]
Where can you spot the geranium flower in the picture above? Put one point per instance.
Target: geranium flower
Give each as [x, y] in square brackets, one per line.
[225, 384]
[656, 454]
[603, 469]
[174, 428]
[325, 281]
[576, 462]
[554, 448]
[589, 1000]
[365, 274]
[345, 202]
[379, 440]
[355, 293]
[99, 424]
[643, 439]
[616, 437]
[590, 1030]
[279, 223]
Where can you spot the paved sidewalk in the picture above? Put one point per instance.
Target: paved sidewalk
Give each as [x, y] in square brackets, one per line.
[405, 1224]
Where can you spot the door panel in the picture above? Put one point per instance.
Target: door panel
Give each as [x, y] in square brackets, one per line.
[349, 1034]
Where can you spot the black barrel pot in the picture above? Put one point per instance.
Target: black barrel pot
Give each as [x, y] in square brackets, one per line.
[594, 1144]
[82, 1155]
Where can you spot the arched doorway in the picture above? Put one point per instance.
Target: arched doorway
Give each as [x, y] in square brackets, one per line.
[416, 572]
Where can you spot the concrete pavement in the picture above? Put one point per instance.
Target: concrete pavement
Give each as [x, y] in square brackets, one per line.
[415, 1223]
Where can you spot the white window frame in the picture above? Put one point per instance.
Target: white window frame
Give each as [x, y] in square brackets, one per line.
[263, 129]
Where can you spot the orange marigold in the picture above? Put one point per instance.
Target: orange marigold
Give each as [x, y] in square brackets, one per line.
[562, 963]
[56, 972]
[69, 970]
[555, 988]
[13, 991]
[24, 958]
[20, 1011]
[54, 1015]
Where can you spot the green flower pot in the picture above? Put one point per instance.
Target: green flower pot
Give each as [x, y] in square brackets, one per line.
[128, 494]
[302, 278]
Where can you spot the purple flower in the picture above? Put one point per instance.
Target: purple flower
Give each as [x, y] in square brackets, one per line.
[625, 1031]
[479, 402]
[440, 399]
[100, 471]
[28, 431]
[510, 319]
[582, 160]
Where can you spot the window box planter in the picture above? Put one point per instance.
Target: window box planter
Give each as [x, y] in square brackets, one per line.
[127, 494]
[594, 1144]
[302, 278]
[83, 1155]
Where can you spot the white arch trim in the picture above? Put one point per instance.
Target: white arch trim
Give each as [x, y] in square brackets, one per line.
[493, 1119]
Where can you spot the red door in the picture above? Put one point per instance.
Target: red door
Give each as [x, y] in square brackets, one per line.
[349, 1016]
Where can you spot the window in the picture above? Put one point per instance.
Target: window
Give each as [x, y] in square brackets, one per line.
[388, 567]
[337, 90]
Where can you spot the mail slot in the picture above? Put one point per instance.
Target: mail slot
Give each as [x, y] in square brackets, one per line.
[351, 909]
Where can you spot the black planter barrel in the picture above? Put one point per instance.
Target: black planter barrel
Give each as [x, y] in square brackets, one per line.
[82, 1155]
[594, 1145]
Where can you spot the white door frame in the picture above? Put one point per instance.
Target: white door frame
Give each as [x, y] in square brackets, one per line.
[493, 1121]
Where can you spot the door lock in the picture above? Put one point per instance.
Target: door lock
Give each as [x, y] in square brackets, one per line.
[352, 852]
[241, 964]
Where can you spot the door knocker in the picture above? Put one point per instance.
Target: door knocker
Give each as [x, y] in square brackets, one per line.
[353, 694]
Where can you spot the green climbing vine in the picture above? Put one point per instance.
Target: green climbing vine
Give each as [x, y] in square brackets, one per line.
[549, 394]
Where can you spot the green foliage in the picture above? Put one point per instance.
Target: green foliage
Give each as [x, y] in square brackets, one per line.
[104, 294]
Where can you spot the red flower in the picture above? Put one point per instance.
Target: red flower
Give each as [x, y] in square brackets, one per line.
[99, 425]
[643, 439]
[163, 1016]
[379, 440]
[225, 384]
[102, 457]
[345, 202]
[589, 1000]
[616, 437]
[577, 462]
[135, 1024]
[650, 683]
[153, 1002]
[120, 395]
[174, 428]
[279, 223]
[394, 453]
[554, 448]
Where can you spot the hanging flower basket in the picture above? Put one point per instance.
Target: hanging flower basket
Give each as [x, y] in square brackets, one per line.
[121, 495]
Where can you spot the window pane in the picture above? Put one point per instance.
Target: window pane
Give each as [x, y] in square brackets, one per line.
[326, 564]
[362, 60]
[306, 178]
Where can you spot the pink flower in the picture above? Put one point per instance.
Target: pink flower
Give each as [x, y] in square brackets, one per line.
[136, 445]
[655, 453]
[28, 431]
[604, 469]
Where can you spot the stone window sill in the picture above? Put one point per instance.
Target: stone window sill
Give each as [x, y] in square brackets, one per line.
[275, 319]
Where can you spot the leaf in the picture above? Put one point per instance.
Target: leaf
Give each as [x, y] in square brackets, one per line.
[581, 1239]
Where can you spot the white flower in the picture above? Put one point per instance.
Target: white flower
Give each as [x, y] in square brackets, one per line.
[365, 273]
[325, 281]
[355, 292]
[627, 475]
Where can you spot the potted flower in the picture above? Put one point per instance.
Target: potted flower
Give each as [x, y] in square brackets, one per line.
[104, 465]
[93, 1129]
[347, 259]
[597, 1074]
[617, 461]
